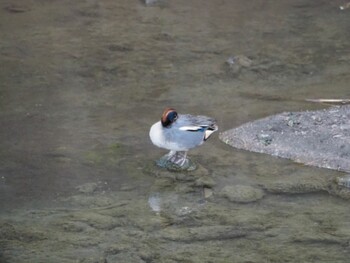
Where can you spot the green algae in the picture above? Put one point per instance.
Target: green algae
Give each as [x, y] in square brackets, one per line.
[111, 154]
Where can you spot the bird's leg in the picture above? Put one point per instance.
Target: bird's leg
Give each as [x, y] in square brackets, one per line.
[164, 161]
[176, 160]
[184, 158]
[179, 158]
[170, 155]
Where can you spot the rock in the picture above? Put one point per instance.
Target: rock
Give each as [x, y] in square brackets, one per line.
[87, 188]
[236, 63]
[204, 233]
[242, 193]
[184, 188]
[184, 177]
[200, 171]
[126, 187]
[116, 248]
[164, 182]
[240, 60]
[74, 227]
[342, 193]
[207, 192]
[20, 233]
[89, 201]
[339, 190]
[244, 61]
[296, 186]
[320, 238]
[318, 138]
[96, 220]
[343, 181]
[151, 2]
[16, 8]
[205, 181]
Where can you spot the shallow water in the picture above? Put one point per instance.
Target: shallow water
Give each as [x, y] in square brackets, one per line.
[81, 84]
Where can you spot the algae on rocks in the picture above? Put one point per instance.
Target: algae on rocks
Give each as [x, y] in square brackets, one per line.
[242, 193]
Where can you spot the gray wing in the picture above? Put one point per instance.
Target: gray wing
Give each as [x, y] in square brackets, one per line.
[192, 123]
[190, 131]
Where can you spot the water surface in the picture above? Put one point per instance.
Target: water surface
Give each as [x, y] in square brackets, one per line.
[81, 84]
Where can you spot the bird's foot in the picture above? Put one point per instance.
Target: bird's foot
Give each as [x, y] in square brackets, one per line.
[177, 161]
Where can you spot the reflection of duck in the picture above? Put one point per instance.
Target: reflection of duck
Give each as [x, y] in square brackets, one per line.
[179, 133]
[154, 202]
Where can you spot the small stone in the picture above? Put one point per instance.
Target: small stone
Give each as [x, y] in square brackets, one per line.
[126, 187]
[16, 9]
[239, 60]
[184, 188]
[296, 186]
[74, 226]
[265, 138]
[199, 172]
[205, 181]
[164, 182]
[290, 123]
[183, 211]
[207, 192]
[242, 193]
[151, 2]
[244, 61]
[87, 188]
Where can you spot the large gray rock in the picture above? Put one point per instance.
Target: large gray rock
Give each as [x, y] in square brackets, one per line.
[318, 138]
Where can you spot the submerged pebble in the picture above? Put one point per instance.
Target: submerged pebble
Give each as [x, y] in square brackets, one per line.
[240, 60]
[236, 63]
[151, 2]
[207, 192]
[343, 181]
[242, 193]
[16, 9]
[87, 188]
[205, 181]
[296, 186]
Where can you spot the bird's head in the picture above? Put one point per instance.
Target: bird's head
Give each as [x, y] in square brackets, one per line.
[169, 117]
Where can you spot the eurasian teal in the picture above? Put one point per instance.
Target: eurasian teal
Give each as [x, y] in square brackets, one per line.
[179, 133]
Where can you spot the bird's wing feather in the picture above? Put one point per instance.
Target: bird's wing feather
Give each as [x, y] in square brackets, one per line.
[193, 128]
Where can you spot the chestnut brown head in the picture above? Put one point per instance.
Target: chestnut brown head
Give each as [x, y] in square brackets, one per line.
[169, 117]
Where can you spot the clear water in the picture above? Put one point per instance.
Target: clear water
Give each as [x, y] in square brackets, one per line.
[83, 81]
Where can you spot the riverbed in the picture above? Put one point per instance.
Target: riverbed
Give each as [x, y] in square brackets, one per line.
[83, 81]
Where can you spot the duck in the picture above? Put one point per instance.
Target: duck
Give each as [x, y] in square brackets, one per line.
[179, 133]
